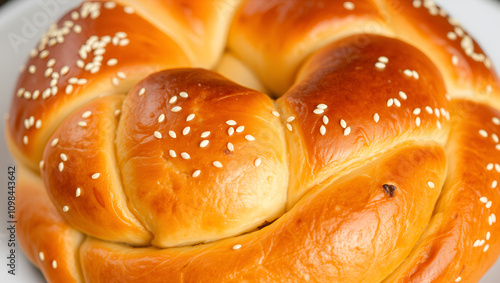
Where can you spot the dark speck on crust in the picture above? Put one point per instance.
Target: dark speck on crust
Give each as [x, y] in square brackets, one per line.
[389, 189]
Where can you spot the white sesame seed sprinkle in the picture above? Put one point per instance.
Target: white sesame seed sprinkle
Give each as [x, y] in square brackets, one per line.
[65, 208]
[429, 109]
[41, 164]
[415, 74]
[483, 199]
[157, 135]
[41, 255]
[290, 119]
[347, 131]
[257, 162]
[96, 175]
[69, 89]
[408, 72]
[190, 117]
[196, 173]
[176, 109]
[172, 153]
[325, 120]
[483, 133]
[78, 192]
[490, 166]
[230, 131]
[322, 106]
[397, 103]
[25, 139]
[289, 127]
[343, 124]
[318, 111]
[186, 131]
[172, 99]
[81, 82]
[82, 124]
[185, 155]
[54, 142]
[322, 130]
[64, 157]
[61, 166]
[204, 143]
[380, 65]
[454, 60]
[172, 134]
[403, 95]
[217, 164]
[275, 113]
[117, 112]
[128, 10]
[390, 102]
[349, 6]
[205, 134]
[32, 69]
[230, 146]
[488, 204]
[488, 236]
[383, 59]
[376, 117]
[495, 121]
[121, 75]
[183, 94]
[431, 184]
[112, 62]
[231, 122]
[486, 248]
[54, 264]
[86, 114]
[240, 129]
[494, 184]
[142, 91]
[115, 81]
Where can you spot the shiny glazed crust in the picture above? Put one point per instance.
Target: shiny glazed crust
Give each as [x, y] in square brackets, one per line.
[375, 163]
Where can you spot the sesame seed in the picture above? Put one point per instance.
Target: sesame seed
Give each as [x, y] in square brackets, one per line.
[142, 91]
[454, 60]
[349, 6]
[403, 95]
[495, 121]
[451, 35]
[172, 134]
[78, 192]
[82, 124]
[497, 146]
[44, 54]
[488, 204]
[185, 155]
[347, 131]
[290, 119]
[196, 173]
[124, 42]
[383, 59]
[438, 124]
[497, 167]
[477, 243]
[69, 89]
[380, 65]
[73, 80]
[64, 157]
[217, 164]
[429, 109]
[343, 124]
[376, 117]
[80, 63]
[230, 146]
[41, 255]
[65, 208]
[486, 248]
[176, 109]
[205, 134]
[48, 72]
[172, 99]
[415, 75]
[54, 264]
[488, 236]
[318, 111]
[231, 122]
[51, 62]
[96, 175]
[25, 139]
[408, 72]
[109, 5]
[431, 184]
[322, 130]
[121, 75]
[81, 82]
[289, 127]
[41, 164]
[322, 106]
[128, 10]
[115, 81]
[172, 153]
[157, 135]
[117, 112]
[325, 120]
[397, 103]
[32, 69]
[190, 117]
[275, 113]
[230, 131]
[183, 94]
[186, 130]
[64, 70]
[257, 162]
[483, 133]
[121, 34]
[112, 62]
[61, 166]
[86, 114]
[54, 142]
[483, 199]
[436, 112]
[390, 102]
[204, 143]
[240, 129]
[489, 167]
[494, 184]
[77, 29]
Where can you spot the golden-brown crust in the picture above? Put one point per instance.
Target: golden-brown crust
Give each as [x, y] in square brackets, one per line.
[327, 237]
[461, 239]
[81, 175]
[48, 241]
[261, 33]
[112, 33]
[347, 106]
[189, 187]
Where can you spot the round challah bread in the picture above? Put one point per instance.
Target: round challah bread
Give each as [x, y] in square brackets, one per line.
[258, 141]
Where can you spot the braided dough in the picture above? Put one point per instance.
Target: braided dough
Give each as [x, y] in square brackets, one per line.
[258, 141]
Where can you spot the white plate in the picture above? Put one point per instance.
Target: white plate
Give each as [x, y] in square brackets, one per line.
[481, 18]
